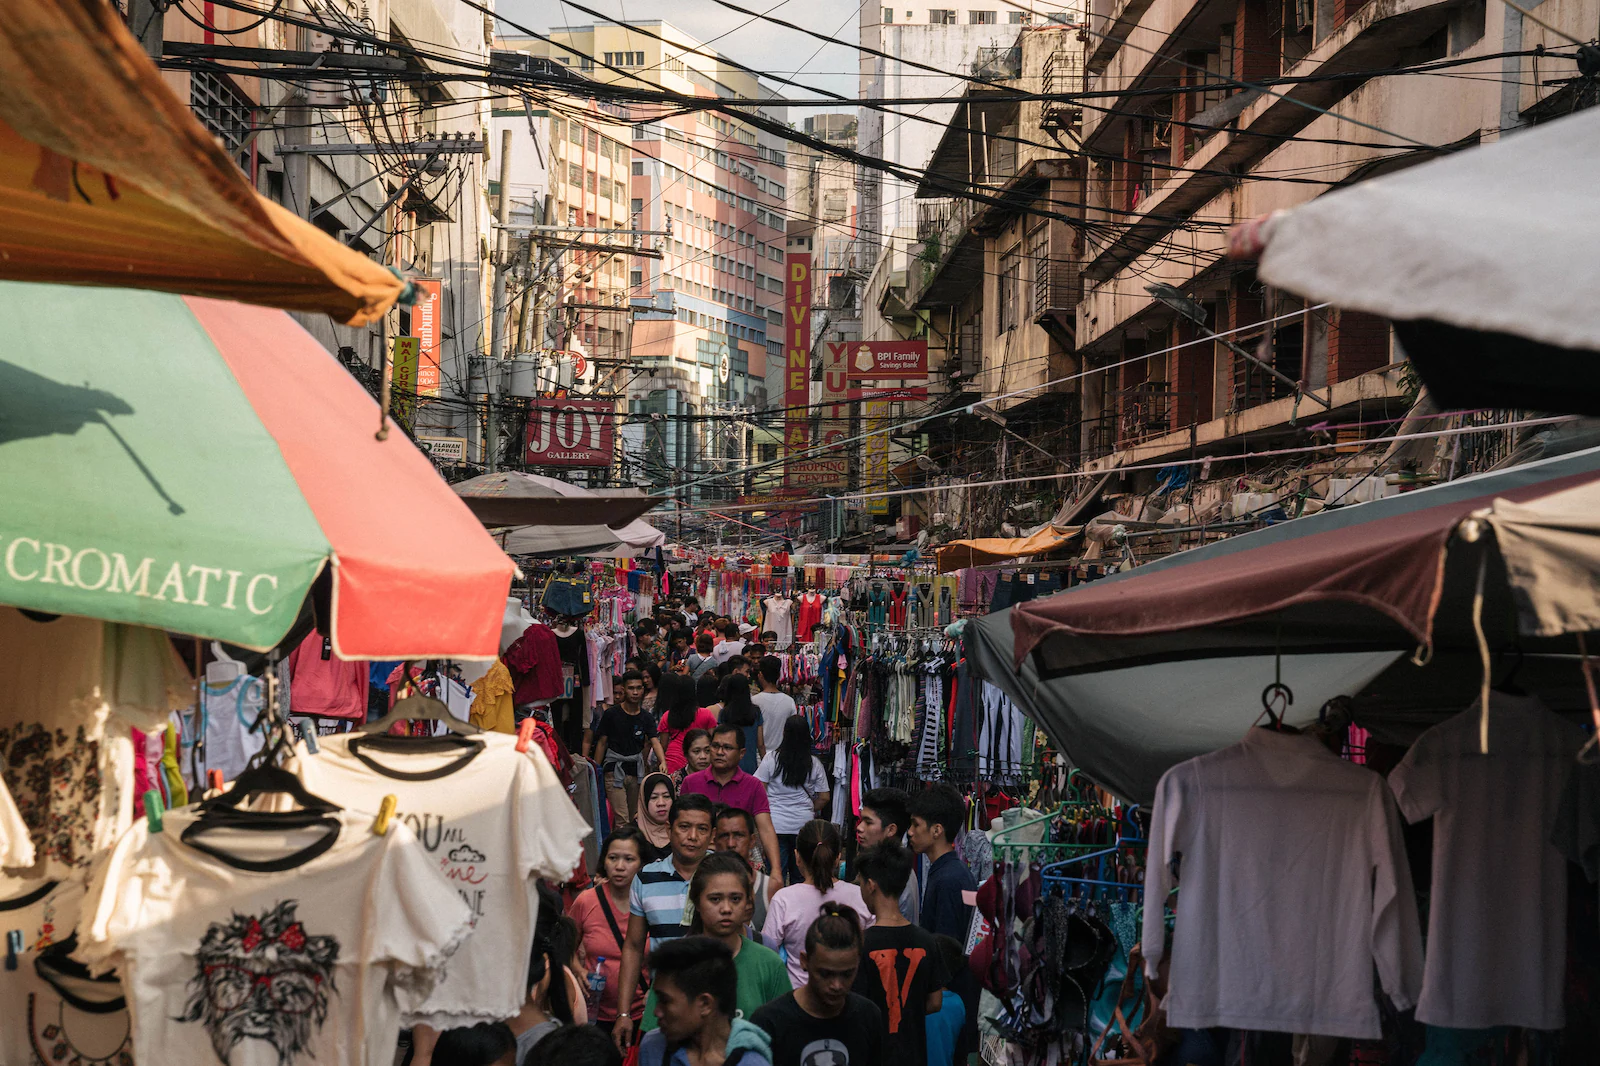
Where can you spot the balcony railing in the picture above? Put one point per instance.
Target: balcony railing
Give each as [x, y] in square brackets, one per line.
[1063, 74]
[1057, 285]
[998, 62]
[1144, 411]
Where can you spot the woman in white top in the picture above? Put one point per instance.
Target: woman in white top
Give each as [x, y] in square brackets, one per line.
[797, 789]
[794, 908]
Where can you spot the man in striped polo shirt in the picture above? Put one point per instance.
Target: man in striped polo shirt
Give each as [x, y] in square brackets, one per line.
[661, 896]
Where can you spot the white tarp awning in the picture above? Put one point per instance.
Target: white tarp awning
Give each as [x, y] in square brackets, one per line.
[629, 540]
[1551, 548]
[1499, 238]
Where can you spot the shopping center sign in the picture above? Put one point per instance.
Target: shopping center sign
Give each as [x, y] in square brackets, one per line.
[568, 432]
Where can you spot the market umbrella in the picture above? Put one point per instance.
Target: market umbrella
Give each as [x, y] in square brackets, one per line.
[109, 179]
[1142, 669]
[514, 498]
[1476, 258]
[633, 538]
[580, 540]
[194, 465]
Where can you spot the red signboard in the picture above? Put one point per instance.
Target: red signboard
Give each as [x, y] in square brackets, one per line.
[910, 392]
[567, 432]
[796, 353]
[870, 360]
[427, 327]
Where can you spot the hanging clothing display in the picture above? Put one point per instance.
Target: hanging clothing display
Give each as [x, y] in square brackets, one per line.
[1278, 930]
[492, 706]
[535, 663]
[220, 736]
[16, 846]
[778, 618]
[1497, 914]
[810, 616]
[491, 852]
[324, 686]
[51, 1011]
[1001, 727]
[73, 688]
[234, 950]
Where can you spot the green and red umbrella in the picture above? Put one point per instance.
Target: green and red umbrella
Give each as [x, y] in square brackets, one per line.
[194, 464]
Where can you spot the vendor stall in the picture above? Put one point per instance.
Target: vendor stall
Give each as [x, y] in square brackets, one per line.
[1142, 669]
[1244, 693]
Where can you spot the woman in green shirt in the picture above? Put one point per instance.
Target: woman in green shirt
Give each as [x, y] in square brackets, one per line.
[722, 898]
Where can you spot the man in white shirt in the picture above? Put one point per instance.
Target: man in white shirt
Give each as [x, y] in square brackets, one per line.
[776, 707]
[732, 644]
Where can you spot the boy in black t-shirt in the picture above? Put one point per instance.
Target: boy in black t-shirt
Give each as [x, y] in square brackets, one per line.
[823, 1023]
[624, 739]
[902, 971]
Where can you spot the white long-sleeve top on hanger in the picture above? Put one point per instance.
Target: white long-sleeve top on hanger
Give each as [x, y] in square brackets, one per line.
[1497, 917]
[1292, 884]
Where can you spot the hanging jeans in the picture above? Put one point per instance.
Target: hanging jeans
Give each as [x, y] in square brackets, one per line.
[1003, 589]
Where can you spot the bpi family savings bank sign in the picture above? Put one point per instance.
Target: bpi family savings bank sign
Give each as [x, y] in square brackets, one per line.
[571, 432]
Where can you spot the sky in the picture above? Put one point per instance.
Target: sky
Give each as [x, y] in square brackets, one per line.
[753, 42]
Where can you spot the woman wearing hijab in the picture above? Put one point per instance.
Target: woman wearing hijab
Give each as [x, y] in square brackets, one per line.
[655, 809]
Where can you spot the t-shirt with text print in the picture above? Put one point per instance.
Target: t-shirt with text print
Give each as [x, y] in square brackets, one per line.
[492, 819]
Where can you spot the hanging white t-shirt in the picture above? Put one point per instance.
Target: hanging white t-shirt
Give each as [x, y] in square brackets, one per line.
[1497, 916]
[16, 846]
[1293, 883]
[493, 822]
[779, 619]
[48, 1013]
[285, 967]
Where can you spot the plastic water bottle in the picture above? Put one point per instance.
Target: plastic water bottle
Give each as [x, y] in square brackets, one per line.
[594, 986]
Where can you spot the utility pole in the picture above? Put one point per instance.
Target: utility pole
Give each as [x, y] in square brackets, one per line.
[145, 19]
[497, 308]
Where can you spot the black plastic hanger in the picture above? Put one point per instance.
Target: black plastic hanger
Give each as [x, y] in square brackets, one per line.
[1277, 690]
[1508, 685]
[268, 779]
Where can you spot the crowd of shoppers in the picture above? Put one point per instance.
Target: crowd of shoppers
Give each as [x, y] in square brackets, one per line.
[719, 927]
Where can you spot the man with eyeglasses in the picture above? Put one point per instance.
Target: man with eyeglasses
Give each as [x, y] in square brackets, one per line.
[729, 786]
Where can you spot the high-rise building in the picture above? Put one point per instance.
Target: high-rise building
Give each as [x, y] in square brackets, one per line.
[924, 42]
[704, 311]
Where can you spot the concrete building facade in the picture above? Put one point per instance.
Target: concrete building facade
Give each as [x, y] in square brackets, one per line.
[337, 150]
[708, 312]
[923, 42]
[1168, 172]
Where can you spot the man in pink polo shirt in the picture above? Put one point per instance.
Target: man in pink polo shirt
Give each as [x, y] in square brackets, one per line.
[729, 786]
